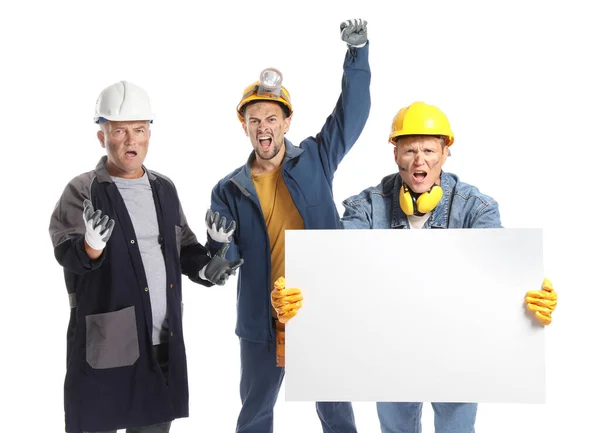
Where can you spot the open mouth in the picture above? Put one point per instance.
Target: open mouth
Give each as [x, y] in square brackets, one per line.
[265, 141]
[131, 154]
[419, 176]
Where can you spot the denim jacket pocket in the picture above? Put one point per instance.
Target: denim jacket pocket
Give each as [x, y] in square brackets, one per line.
[112, 339]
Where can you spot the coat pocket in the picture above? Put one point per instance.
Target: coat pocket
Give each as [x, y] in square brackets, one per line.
[112, 339]
[178, 240]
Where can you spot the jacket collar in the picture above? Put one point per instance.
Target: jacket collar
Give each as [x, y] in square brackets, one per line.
[244, 177]
[103, 176]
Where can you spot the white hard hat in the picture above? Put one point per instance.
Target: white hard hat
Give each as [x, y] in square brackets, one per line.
[123, 101]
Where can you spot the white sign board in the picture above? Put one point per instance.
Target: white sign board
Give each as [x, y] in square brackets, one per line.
[415, 315]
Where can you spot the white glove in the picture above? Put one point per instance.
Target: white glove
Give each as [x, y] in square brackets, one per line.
[216, 228]
[98, 228]
[354, 32]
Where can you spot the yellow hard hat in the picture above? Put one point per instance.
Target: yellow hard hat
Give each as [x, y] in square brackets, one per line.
[420, 118]
[268, 88]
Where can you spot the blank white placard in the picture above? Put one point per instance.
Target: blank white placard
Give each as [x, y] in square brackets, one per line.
[415, 315]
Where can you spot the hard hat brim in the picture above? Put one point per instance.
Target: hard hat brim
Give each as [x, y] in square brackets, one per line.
[150, 118]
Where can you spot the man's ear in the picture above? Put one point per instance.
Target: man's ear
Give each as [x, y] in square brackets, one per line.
[445, 153]
[100, 136]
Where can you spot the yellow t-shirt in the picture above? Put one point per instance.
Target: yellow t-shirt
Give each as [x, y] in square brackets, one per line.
[280, 215]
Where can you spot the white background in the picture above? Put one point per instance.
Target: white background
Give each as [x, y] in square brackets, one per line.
[518, 81]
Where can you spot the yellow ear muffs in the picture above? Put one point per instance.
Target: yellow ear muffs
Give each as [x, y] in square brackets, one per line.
[424, 203]
[429, 200]
[407, 201]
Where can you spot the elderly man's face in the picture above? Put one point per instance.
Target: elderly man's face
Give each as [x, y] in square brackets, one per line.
[420, 159]
[126, 145]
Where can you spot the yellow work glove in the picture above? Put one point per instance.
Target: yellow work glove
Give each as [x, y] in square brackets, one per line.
[542, 302]
[286, 302]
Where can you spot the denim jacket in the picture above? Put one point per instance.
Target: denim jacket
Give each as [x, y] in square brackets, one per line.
[461, 206]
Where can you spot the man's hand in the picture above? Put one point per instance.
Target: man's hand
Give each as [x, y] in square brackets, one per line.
[286, 302]
[218, 269]
[354, 33]
[542, 302]
[216, 228]
[98, 228]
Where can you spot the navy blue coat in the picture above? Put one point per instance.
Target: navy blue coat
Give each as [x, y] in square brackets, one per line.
[113, 380]
[308, 172]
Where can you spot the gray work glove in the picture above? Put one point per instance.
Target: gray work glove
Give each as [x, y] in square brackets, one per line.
[216, 228]
[218, 270]
[354, 32]
[98, 228]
